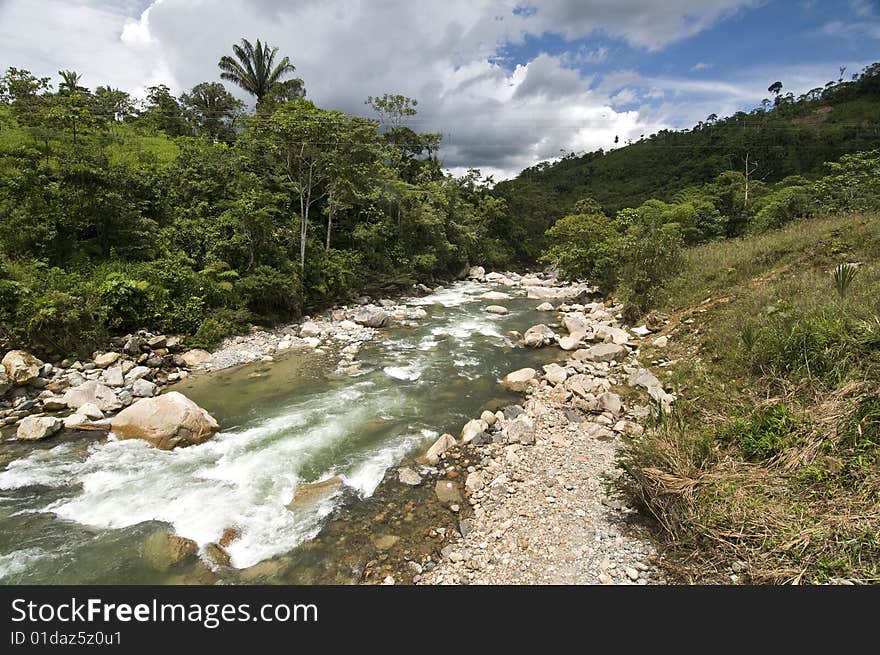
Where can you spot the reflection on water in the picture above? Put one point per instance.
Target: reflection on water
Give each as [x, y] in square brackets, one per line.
[76, 509]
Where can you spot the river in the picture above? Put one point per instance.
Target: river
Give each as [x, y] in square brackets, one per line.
[76, 509]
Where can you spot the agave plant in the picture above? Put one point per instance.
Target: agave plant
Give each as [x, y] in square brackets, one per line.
[843, 277]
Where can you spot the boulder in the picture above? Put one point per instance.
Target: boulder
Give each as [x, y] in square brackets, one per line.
[610, 402]
[439, 447]
[477, 273]
[166, 421]
[90, 411]
[571, 342]
[538, 335]
[521, 430]
[159, 341]
[33, 428]
[495, 295]
[54, 403]
[606, 352]
[106, 359]
[551, 293]
[92, 392]
[488, 418]
[314, 492]
[371, 317]
[612, 334]
[472, 429]
[5, 382]
[74, 421]
[643, 378]
[143, 389]
[162, 550]
[474, 482]
[132, 347]
[661, 342]
[518, 381]
[497, 309]
[576, 323]
[545, 307]
[113, 377]
[641, 331]
[196, 357]
[310, 329]
[555, 374]
[21, 367]
[409, 477]
[447, 492]
[137, 373]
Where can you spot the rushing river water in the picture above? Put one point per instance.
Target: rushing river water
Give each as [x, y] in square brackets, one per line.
[76, 509]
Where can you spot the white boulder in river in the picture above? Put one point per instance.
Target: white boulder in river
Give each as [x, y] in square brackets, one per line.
[21, 367]
[166, 422]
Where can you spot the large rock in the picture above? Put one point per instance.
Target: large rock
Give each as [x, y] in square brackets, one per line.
[5, 382]
[447, 492]
[196, 357]
[576, 323]
[495, 295]
[477, 273]
[444, 443]
[643, 378]
[545, 307]
[497, 309]
[371, 317]
[106, 359]
[93, 392]
[33, 428]
[612, 334]
[21, 367]
[113, 377]
[167, 421]
[521, 430]
[472, 429]
[518, 381]
[610, 402]
[310, 329]
[551, 293]
[606, 352]
[162, 550]
[137, 373]
[314, 492]
[555, 374]
[571, 342]
[409, 477]
[143, 389]
[538, 335]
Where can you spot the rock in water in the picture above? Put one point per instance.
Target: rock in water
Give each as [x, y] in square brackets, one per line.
[497, 309]
[162, 550]
[371, 317]
[439, 447]
[166, 421]
[313, 492]
[21, 367]
[518, 381]
[447, 492]
[33, 428]
[495, 295]
[538, 335]
[545, 307]
[471, 429]
[95, 393]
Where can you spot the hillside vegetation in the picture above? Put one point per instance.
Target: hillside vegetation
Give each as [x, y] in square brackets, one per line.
[769, 468]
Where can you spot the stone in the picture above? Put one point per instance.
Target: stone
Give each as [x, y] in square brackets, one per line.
[471, 429]
[409, 477]
[384, 542]
[137, 373]
[310, 329]
[159, 341]
[196, 357]
[74, 421]
[497, 309]
[33, 428]
[610, 402]
[132, 346]
[217, 555]
[661, 342]
[518, 381]
[166, 422]
[90, 411]
[313, 492]
[106, 359]
[125, 397]
[640, 331]
[444, 443]
[447, 492]
[606, 352]
[92, 392]
[488, 418]
[512, 411]
[474, 482]
[571, 342]
[476, 273]
[163, 550]
[495, 295]
[545, 307]
[611, 334]
[143, 389]
[21, 367]
[5, 382]
[113, 377]
[642, 378]
[371, 317]
[54, 403]
[576, 323]
[521, 430]
[555, 374]
[538, 335]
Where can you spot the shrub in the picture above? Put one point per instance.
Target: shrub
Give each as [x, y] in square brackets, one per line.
[781, 207]
[764, 434]
[585, 246]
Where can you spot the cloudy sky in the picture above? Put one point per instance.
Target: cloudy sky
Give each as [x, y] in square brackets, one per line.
[508, 82]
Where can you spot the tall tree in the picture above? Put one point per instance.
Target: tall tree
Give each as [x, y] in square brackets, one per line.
[213, 110]
[70, 82]
[254, 70]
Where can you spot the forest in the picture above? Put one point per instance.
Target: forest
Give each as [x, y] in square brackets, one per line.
[197, 215]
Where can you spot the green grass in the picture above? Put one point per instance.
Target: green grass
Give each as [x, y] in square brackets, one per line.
[772, 456]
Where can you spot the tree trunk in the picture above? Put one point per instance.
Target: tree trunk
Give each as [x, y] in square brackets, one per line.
[330, 211]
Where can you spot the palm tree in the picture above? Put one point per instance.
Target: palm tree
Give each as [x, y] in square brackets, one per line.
[255, 71]
[70, 80]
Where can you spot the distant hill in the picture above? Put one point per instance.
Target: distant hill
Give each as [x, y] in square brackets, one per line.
[791, 136]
